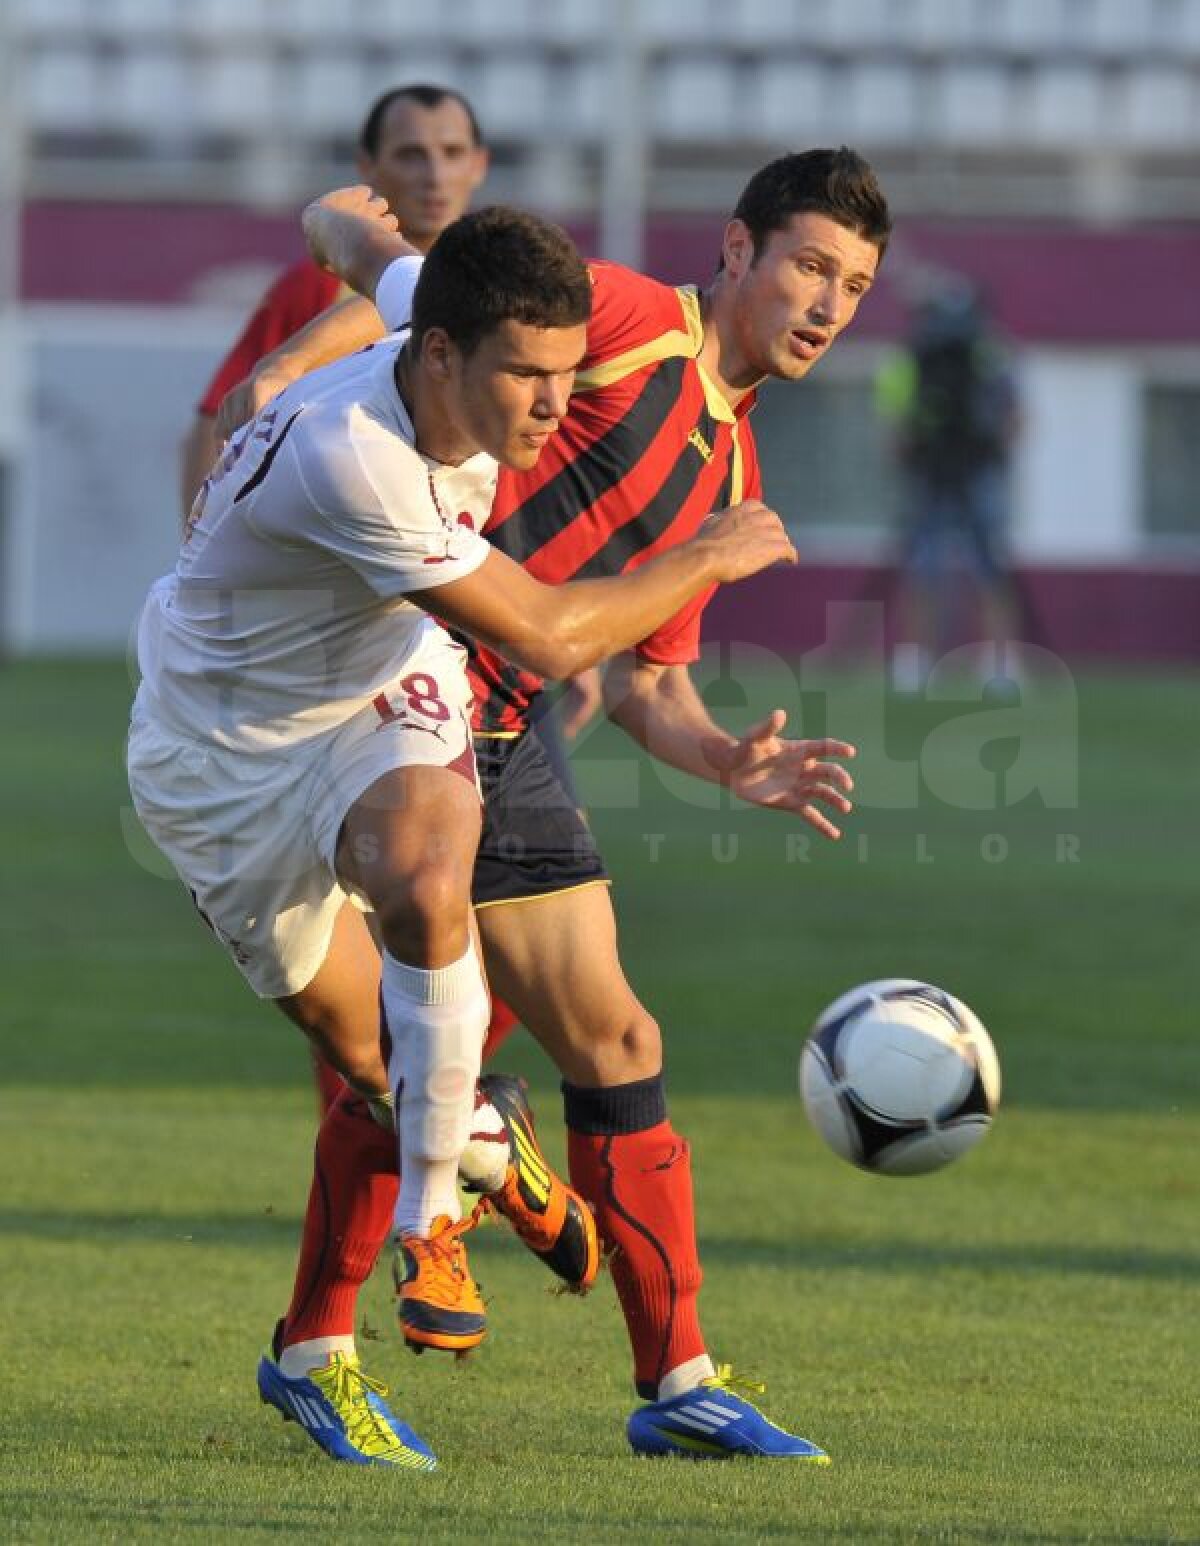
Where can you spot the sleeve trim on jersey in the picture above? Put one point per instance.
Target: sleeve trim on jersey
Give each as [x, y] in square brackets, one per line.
[454, 569]
[655, 655]
[679, 341]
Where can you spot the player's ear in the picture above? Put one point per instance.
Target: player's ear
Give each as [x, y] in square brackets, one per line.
[737, 248]
[438, 353]
[483, 160]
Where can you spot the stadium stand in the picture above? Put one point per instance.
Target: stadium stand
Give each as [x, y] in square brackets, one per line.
[156, 88]
[1049, 149]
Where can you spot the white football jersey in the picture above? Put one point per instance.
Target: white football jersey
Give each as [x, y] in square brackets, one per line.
[286, 612]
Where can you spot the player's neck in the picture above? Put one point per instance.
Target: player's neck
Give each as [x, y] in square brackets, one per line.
[720, 358]
[434, 431]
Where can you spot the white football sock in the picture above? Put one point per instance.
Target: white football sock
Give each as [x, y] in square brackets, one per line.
[300, 1357]
[684, 1377]
[437, 1021]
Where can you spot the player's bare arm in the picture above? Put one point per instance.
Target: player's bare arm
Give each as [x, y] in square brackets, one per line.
[352, 232]
[559, 630]
[346, 327]
[660, 708]
[582, 697]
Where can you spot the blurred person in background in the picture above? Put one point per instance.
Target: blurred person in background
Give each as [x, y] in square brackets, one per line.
[951, 400]
[421, 149]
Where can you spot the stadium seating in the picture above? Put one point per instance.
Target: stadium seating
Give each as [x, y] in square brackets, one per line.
[211, 78]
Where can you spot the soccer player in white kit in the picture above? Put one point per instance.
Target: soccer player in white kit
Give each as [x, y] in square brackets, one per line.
[301, 739]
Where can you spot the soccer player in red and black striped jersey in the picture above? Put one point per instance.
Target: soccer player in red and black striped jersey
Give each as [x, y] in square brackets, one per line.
[656, 438]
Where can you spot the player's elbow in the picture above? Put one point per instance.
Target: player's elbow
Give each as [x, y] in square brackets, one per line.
[571, 656]
[557, 655]
[553, 643]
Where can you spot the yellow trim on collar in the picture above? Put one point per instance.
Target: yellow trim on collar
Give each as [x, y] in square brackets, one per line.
[737, 472]
[714, 398]
[682, 342]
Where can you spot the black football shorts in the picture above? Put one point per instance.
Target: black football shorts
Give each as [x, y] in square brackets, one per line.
[534, 840]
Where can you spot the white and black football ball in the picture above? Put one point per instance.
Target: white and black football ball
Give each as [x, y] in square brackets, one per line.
[899, 1077]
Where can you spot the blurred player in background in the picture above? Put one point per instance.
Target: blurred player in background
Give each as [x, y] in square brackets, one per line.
[421, 149]
[656, 437]
[302, 730]
[951, 400]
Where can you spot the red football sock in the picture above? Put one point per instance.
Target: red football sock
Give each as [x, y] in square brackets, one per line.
[329, 1082]
[501, 1026]
[347, 1222]
[640, 1186]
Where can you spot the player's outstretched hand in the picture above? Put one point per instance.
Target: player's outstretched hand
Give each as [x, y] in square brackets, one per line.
[747, 537]
[794, 776]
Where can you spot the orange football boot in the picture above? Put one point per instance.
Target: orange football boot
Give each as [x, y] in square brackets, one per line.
[439, 1303]
[548, 1217]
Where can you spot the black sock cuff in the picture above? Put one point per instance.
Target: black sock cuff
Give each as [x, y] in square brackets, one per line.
[621, 1108]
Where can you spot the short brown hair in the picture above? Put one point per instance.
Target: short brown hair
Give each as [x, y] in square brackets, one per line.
[838, 183]
[500, 265]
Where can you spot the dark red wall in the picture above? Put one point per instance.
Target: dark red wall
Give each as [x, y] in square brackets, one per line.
[1044, 282]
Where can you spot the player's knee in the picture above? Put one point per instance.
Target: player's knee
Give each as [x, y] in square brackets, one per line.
[425, 917]
[628, 1048]
[641, 1044]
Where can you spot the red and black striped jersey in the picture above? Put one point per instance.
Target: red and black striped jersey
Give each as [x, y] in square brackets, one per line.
[301, 293]
[647, 450]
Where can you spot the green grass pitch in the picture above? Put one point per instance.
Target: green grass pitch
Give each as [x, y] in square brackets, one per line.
[1007, 1351]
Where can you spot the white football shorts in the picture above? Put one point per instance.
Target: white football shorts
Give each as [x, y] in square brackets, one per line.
[253, 835]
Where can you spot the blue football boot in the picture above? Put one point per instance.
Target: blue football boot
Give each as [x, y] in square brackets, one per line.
[343, 1411]
[713, 1422]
